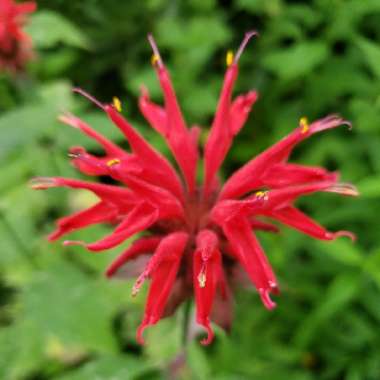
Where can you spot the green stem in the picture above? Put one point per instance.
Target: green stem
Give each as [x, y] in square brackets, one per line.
[186, 323]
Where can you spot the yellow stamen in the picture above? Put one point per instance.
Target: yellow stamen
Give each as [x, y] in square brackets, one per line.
[113, 162]
[229, 58]
[116, 103]
[304, 124]
[262, 195]
[154, 60]
[202, 279]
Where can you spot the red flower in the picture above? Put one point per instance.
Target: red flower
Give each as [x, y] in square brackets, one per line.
[15, 45]
[194, 236]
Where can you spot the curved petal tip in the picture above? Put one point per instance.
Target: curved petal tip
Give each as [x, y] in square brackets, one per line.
[42, 183]
[89, 97]
[344, 189]
[139, 334]
[210, 335]
[348, 234]
[74, 242]
[265, 298]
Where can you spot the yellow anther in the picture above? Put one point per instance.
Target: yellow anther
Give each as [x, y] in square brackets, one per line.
[202, 279]
[304, 124]
[116, 103]
[229, 58]
[113, 162]
[154, 60]
[262, 195]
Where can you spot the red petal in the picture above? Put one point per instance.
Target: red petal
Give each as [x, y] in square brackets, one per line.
[26, 7]
[229, 119]
[166, 202]
[117, 195]
[248, 177]
[278, 198]
[143, 245]
[87, 163]
[111, 148]
[240, 109]
[221, 134]
[99, 213]
[153, 113]
[206, 276]
[252, 258]
[285, 174]
[265, 202]
[173, 128]
[295, 218]
[162, 268]
[259, 225]
[153, 162]
[139, 219]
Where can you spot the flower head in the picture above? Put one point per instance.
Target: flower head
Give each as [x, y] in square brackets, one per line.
[194, 237]
[15, 45]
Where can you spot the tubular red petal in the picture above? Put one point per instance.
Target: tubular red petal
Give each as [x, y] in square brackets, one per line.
[87, 163]
[247, 179]
[162, 269]
[206, 276]
[139, 219]
[252, 258]
[26, 7]
[221, 134]
[173, 127]
[154, 114]
[278, 198]
[284, 174]
[229, 118]
[152, 161]
[140, 246]
[99, 213]
[119, 196]
[166, 202]
[111, 148]
[264, 202]
[240, 109]
[295, 218]
[259, 225]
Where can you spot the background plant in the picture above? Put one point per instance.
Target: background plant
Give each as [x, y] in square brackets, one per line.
[60, 319]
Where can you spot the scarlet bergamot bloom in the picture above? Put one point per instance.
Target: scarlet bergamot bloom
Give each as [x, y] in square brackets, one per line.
[193, 237]
[15, 45]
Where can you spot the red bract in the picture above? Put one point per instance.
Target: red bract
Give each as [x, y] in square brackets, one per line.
[15, 45]
[192, 237]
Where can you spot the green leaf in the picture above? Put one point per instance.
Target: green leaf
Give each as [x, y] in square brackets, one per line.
[109, 367]
[71, 311]
[369, 187]
[343, 250]
[48, 28]
[372, 266]
[296, 61]
[23, 125]
[339, 293]
[371, 54]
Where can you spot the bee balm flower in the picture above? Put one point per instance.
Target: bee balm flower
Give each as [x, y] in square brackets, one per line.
[15, 45]
[194, 235]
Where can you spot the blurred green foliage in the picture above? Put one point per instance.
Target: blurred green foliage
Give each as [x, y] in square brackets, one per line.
[59, 319]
